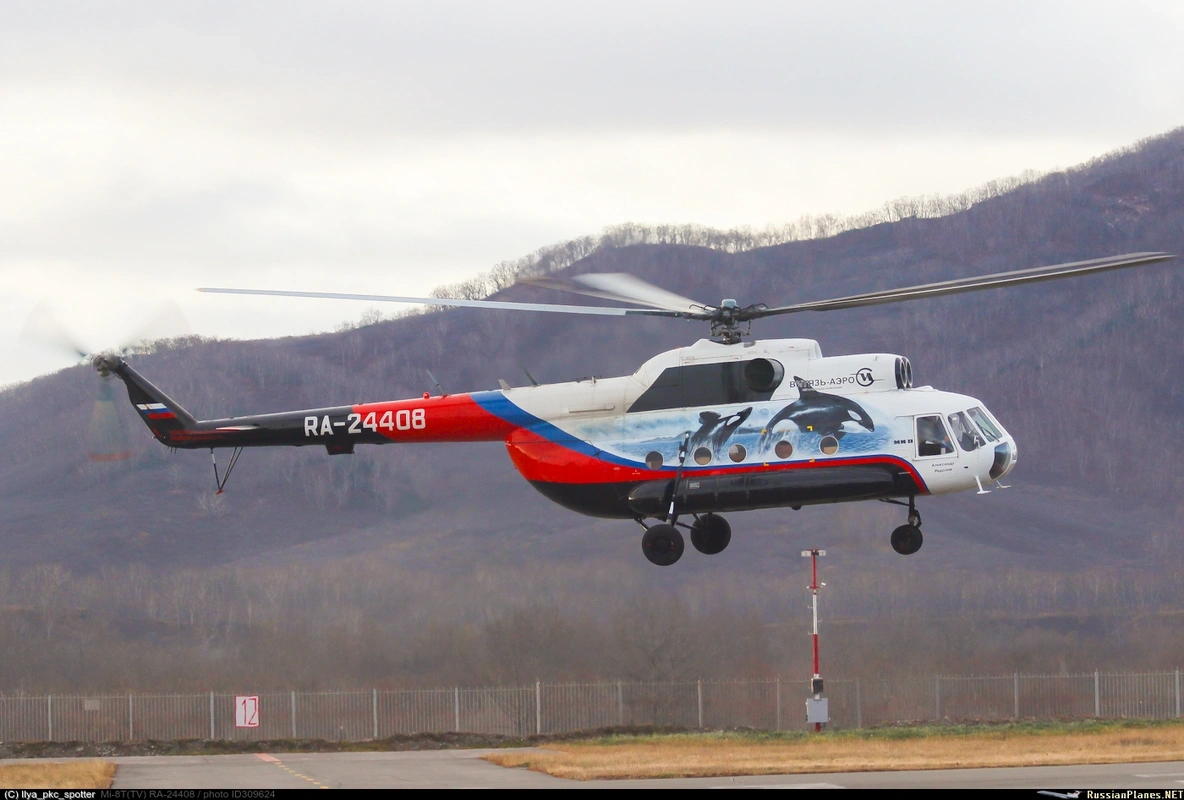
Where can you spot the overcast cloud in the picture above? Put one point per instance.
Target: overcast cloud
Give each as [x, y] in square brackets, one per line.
[146, 149]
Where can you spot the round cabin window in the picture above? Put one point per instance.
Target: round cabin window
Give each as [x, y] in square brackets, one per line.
[654, 460]
[783, 449]
[829, 445]
[737, 452]
[703, 456]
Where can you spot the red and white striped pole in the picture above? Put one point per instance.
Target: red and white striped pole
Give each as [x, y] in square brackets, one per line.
[816, 683]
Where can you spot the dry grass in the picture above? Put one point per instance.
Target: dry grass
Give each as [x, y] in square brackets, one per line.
[91, 774]
[721, 754]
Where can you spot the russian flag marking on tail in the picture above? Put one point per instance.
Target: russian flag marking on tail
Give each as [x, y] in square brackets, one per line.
[155, 411]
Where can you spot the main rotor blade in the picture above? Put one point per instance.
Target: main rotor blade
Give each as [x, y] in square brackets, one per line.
[622, 288]
[449, 301]
[994, 281]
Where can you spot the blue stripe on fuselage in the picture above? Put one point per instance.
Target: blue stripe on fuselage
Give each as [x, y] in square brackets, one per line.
[499, 405]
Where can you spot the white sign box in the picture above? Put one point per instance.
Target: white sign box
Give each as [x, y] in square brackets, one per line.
[816, 710]
[246, 711]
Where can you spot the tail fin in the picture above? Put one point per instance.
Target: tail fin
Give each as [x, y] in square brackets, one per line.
[163, 415]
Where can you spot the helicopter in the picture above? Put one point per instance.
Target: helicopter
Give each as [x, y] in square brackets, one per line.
[726, 424]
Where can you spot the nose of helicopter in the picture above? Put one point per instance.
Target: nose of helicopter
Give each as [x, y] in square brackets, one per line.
[1005, 458]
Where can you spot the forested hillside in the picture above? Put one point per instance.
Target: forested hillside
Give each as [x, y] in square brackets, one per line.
[1086, 373]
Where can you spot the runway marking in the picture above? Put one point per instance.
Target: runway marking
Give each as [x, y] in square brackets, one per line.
[1159, 775]
[778, 786]
[273, 760]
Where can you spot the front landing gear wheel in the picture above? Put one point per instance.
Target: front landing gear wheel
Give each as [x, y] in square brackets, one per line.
[710, 534]
[906, 539]
[662, 544]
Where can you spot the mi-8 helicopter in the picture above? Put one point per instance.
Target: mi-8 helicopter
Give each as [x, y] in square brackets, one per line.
[720, 426]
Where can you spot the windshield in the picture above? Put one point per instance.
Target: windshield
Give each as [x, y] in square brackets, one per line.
[965, 433]
[985, 425]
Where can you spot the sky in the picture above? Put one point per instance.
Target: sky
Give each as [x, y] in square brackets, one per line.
[150, 148]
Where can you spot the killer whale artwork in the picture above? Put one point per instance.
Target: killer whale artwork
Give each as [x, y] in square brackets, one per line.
[824, 414]
[717, 429]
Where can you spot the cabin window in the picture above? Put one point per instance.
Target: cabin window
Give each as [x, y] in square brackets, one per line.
[964, 432]
[829, 445]
[985, 425]
[932, 439]
[784, 449]
[712, 385]
[703, 456]
[737, 453]
[654, 460]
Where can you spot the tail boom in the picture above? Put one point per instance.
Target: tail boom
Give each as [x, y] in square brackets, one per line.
[447, 418]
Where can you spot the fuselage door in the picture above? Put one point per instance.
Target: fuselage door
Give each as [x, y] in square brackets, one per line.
[935, 455]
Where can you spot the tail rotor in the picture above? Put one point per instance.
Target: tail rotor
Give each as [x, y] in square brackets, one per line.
[108, 438]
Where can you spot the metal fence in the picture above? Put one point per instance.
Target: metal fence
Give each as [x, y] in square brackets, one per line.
[561, 707]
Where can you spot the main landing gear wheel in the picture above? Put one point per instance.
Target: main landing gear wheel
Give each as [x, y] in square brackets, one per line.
[710, 534]
[907, 539]
[662, 544]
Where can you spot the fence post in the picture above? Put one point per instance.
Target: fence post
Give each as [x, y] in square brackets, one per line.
[49, 712]
[375, 709]
[1177, 692]
[621, 701]
[131, 730]
[538, 707]
[858, 706]
[700, 691]
[778, 702]
[211, 716]
[456, 707]
[1016, 710]
[293, 713]
[1097, 695]
[937, 684]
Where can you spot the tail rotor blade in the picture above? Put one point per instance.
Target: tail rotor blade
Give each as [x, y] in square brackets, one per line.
[107, 436]
[45, 329]
[166, 322]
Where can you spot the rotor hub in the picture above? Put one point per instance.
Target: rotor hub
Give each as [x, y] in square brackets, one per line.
[106, 364]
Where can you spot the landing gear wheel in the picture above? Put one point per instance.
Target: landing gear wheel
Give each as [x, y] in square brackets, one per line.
[710, 534]
[906, 539]
[662, 544]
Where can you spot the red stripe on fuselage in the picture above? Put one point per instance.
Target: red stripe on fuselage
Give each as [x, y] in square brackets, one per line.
[451, 418]
[539, 459]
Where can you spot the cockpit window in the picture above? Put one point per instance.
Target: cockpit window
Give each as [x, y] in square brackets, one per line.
[985, 425]
[932, 439]
[966, 434]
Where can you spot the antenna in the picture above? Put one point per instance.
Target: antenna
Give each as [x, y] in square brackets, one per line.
[529, 377]
[435, 382]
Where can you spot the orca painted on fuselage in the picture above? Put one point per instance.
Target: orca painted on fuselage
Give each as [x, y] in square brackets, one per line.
[717, 429]
[824, 414]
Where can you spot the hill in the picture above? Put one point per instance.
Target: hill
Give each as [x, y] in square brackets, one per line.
[1086, 373]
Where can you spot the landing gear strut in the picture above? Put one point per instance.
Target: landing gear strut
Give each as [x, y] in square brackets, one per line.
[907, 539]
